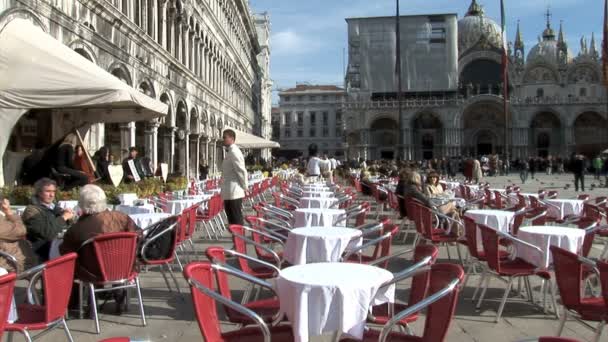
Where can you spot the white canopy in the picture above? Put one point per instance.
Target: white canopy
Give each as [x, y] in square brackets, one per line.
[247, 140]
[37, 71]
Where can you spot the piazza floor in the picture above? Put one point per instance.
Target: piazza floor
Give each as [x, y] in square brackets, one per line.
[171, 317]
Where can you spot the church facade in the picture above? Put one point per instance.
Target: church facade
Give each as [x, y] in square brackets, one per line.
[556, 102]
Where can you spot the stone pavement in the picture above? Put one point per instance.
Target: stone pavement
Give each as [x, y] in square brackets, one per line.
[171, 317]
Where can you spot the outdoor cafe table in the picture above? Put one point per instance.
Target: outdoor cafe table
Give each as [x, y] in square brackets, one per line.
[315, 193]
[317, 202]
[331, 297]
[313, 217]
[570, 239]
[319, 244]
[176, 207]
[68, 205]
[566, 207]
[135, 209]
[145, 220]
[496, 219]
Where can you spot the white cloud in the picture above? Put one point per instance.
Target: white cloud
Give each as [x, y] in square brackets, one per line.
[290, 43]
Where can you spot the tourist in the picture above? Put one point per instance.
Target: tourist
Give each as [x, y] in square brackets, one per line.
[203, 171]
[325, 168]
[532, 165]
[95, 220]
[64, 163]
[411, 187]
[524, 168]
[143, 164]
[235, 179]
[313, 167]
[43, 219]
[598, 164]
[432, 187]
[12, 240]
[578, 169]
[102, 162]
[128, 175]
[477, 172]
[82, 163]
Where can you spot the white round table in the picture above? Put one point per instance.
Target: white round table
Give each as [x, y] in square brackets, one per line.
[135, 209]
[319, 244]
[68, 205]
[176, 207]
[317, 202]
[495, 219]
[570, 239]
[313, 217]
[318, 194]
[145, 220]
[331, 297]
[566, 207]
[127, 199]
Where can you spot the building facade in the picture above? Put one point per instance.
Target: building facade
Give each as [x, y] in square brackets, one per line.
[263, 128]
[201, 58]
[311, 114]
[556, 102]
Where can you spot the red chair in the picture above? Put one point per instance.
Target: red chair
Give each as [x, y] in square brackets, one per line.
[382, 248]
[569, 276]
[57, 278]
[114, 254]
[502, 268]
[172, 230]
[424, 256]
[583, 197]
[429, 229]
[7, 285]
[441, 303]
[268, 309]
[202, 284]
[261, 270]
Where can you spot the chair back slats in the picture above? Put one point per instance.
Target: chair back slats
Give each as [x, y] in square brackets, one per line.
[7, 285]
[420, 282]
[603, 268]
[490, 246]
[439, 314]
[204, 306]
[115, 254]
[568, 275]
[470, 234]
[58, 276]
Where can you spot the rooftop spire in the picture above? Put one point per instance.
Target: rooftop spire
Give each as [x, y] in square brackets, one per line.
[519, 41]
[560, 37]
[475, 9]
[593, 49]
[548, 34]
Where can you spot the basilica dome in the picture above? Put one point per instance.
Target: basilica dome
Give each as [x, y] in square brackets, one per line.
[547, 50]
[475, 27]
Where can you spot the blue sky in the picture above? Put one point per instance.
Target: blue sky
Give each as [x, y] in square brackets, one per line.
[309, 36]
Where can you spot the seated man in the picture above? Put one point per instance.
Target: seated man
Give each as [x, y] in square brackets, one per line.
[43, 219]
[12, 240]
[95, 220]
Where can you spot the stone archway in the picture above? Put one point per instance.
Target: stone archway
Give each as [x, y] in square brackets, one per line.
[590, 134]
[384, 135]
[545, 134]
[483, 129]
[427, 131]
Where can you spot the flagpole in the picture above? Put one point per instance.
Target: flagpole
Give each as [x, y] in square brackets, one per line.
[505, 78]
[401, 147]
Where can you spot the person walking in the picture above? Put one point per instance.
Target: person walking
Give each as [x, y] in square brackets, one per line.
[532, 164]
[235, 179]
[598, 163]
[578, 169]
[524, 167]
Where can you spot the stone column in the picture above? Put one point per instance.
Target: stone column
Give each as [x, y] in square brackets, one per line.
[178, 42]
[406, 143]
[185, 48]
[153, 20]
[171, 32]
[151, 139]
[214, 154]
[194, 155]
[162, 33]
[569, 140]
[127, 138]
[143, 15]
[170, 146]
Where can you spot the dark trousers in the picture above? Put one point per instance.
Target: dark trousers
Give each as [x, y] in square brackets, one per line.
[579, 178]
[234, 211]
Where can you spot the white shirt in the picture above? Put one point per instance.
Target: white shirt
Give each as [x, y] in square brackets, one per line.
[334, 163]
[325, 165]
[313, 167]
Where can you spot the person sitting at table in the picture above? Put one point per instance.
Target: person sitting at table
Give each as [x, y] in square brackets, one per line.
[412, 188]
[432, 188]
[12, 240]
[102, 162]
[43, 219]
[64, 163]
[96, 219]
[82, 163]
[128, 176]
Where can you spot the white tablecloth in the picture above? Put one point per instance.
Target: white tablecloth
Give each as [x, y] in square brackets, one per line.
[319, 244]
[318, 194]
[317, 202]
[12, 314]
[325, 297]
[495, 219]
[566, 207]
[450, 185]
[570, 239]
[127, 199]
[135, 209]
[312, 217]
[145, 220]
[68, 205]
[176, 207]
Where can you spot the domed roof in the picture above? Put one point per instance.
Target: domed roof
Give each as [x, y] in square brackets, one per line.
[474, 27]
[547, 49]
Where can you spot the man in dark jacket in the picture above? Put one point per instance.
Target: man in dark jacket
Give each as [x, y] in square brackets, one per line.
[578, 169]
[43, 219]
[129, 177]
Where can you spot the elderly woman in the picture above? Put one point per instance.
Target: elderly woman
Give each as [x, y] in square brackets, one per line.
[410, 186]
[12, 240]
[432, 187]
[95, 220]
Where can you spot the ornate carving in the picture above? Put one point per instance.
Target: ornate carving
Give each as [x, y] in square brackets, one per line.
[583, 74]
[540, 75]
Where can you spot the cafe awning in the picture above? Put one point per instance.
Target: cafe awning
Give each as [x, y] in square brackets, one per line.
[248, 140]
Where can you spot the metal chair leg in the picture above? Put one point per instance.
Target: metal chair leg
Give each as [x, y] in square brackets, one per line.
[483, 292]
[141, 302]
[67, 330]
[174, 278]
[94, 307]
[598, 331]
[562, 322]
[504, 300]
